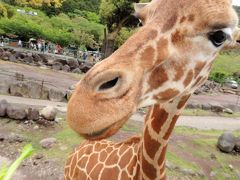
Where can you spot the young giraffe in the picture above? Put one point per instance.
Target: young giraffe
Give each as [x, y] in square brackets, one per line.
[159, 67]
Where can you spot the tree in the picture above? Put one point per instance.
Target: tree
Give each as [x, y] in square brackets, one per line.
[35, 3]
[116, 14]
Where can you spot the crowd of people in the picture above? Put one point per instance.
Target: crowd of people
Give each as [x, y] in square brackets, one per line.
[43, 46]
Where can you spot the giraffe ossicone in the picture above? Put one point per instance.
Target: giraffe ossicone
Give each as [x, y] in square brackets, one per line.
[159, 67]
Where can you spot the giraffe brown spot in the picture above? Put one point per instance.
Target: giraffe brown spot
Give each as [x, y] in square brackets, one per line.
[158, 77]
[103, 146]
[82, 162]
[152, 34]
[122, 149]
[177, 37]
[91, 162]
[183, 101]
[179, 69]
[174, 120]
[147, 57]
[170, 23]
[198, 68]
[124, 175]
[162, 47]
[191, 18]
[110, 172]
[109, 149]
[131, 165]
[162, 156]
[183, 19]
[188, 78]
[167, 95]
[148, 169]
[69, 160]
[73, 164]
[159, 116]
[112, 158]
[103, 156]
[79, 174]
[96, 171]
[150, 144]
[125, 158]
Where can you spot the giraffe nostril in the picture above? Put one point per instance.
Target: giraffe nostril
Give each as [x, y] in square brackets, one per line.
[109, 84]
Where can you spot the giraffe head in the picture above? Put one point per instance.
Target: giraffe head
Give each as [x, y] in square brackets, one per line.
[170, 55]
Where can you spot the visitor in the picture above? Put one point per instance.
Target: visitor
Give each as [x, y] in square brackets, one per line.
[20, 43]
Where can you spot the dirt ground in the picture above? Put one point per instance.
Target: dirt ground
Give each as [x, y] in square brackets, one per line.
[192, 153]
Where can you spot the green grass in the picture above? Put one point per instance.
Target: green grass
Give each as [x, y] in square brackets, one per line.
[227, 63]
[201, 112]
[179, 162]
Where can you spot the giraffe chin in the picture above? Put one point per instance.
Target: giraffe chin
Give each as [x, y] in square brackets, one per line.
[106, 132]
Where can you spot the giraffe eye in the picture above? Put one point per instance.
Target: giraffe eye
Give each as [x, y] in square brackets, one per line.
[217, 38]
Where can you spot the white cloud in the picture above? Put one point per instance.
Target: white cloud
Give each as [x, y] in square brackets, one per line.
[236, 2]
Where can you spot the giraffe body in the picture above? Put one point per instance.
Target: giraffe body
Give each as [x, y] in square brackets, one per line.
[159, 67]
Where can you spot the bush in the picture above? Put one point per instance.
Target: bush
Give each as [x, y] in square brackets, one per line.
[218, 77]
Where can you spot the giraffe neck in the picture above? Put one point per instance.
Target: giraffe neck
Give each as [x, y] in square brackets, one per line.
[159, 124]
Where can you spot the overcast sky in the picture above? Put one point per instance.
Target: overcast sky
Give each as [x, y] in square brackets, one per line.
[236, 2]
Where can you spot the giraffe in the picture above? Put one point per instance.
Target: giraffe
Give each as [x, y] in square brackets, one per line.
[159, 67]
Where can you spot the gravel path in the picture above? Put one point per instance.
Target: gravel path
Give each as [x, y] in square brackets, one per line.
[202, 122]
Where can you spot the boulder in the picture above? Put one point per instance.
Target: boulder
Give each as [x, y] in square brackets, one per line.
[29, 89]
[206, 107]
[32, 114]
[36, 57]
[237, 145]
[193, 105]
[56, 95]
[226, 142]
[66, 68]
[49, 113]
[73, 64]
[77, 70]
[228, 111]
[57, 66]
[48, 143]
[216, 107]
[62, 61]
[85, 67]
[12, 58]
[16, 112]
[28, 59]
[3, 107]
[4, 87]
[69, 94]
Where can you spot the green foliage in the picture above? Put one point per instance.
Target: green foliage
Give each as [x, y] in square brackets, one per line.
[123, 35]
[5, 11]
[60, 29]
[114, 12]
[7, 173]
[218, 77]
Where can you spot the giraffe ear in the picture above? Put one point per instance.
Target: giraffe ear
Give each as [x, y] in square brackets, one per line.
[140, 11]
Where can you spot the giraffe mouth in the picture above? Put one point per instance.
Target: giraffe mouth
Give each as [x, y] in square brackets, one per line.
[108, 131]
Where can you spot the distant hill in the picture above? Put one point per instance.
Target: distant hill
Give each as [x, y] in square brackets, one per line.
[237, 8]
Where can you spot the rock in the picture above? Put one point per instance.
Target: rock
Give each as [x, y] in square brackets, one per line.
[85, 67]
[73, 87]
[77, 71]
[56, 95]
[57, 66]
[32, 114]
[226, 142]
[231, 167]
[3, 107]
[216, 107]
[73, 64]
[237, 145]
[194, 105]
[4, 87]
[69, 94]
[62, 61]
[49, 113]
[16, 112]
[228, 111]
[213, 174]
[2, 136]
[38, 156]
[36, 57]
[12, 58]
[66, 68]
[48, 142]
[213, 156]
[206, 107]
[36, 127]
[15, 138]
[28, 59]
[29, 89]
[188, 172]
